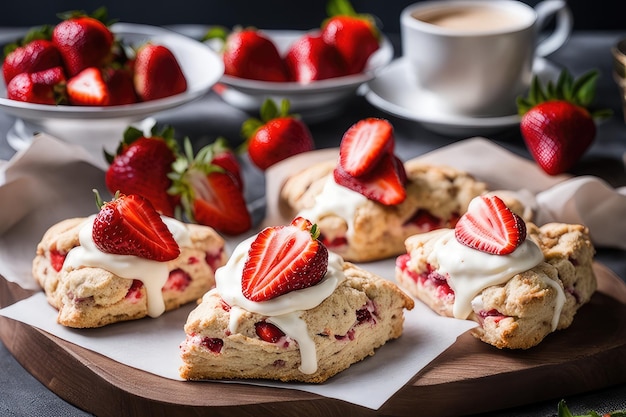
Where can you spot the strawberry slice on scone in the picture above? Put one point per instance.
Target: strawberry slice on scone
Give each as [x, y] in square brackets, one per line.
[490, 226]
[129, 225]
[283, 259]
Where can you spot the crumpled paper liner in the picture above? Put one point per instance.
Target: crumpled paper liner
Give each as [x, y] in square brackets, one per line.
[53, 180]
[584, 200]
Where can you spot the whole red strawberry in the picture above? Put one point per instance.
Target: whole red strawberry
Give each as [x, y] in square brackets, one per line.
[43, 87]
[355, 36]
[141, 166]
[157, 73]
[556, 124]
[310, 58]
[129, 225]
[209, 194]
[119, 82]
[33, 56]
[83, 41]
[276, 136]
[249, 53]
[282, 259]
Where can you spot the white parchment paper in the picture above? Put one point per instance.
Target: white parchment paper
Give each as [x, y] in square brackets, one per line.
[52, 180]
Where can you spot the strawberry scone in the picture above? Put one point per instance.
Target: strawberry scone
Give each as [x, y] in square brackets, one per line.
[368, 202]
[285, 308]
[520, 282]
[125, 263]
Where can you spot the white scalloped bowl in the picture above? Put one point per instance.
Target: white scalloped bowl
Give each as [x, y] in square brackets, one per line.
[95, 127]
[315, 101]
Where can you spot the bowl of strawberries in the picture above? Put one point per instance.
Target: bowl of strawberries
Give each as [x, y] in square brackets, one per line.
[84, 81]
[318, 71]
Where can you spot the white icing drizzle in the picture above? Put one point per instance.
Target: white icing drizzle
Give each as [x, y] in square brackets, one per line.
[152, 274]
[233, 318]
[293, 326]
[470, 271]
[283, 311]
[560, 300]
[335, 200]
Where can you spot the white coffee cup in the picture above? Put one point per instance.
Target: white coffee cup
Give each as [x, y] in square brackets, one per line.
[474, 57]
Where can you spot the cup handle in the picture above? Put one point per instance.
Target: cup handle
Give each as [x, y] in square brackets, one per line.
[563, 25]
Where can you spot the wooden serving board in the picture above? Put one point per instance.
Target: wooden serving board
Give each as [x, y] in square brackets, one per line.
[466, 379]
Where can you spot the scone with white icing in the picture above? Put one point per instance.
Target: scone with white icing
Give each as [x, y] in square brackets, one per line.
[520, 282]
[285, 308]
[368, 202]
[95, 280]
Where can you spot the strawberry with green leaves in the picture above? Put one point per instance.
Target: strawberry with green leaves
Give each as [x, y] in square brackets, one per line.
[83, 40]
[129, 225]
[282, 259]
[34, 53]
[142, 165]
[557, 124]
[490, 226]
[249, 53]
[276, 136]
[354, 35]
[157, 72]
[225, 157]
[209, 194]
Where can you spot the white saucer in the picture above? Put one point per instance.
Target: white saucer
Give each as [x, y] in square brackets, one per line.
[392, 92]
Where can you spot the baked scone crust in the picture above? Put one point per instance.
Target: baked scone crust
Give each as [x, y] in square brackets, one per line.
[93, 297]
[340, 339]
[379, 230]
[519, 313]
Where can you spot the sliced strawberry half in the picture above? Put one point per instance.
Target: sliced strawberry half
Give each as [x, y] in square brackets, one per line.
[129, 225]
[490, 226]
[385, 184]
[209, 194]
[283, 259]
[268, 332]
[219, 203]
[88, 88]
[364, 144]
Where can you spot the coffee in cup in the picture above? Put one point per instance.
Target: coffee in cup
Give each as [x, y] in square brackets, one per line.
[474, 57]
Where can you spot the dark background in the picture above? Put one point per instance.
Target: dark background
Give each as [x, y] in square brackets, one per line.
[268, 14]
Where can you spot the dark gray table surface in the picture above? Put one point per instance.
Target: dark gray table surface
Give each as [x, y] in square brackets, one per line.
[203, 120]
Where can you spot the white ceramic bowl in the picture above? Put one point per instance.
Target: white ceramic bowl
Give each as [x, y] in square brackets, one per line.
[315, 101]
[98, 127]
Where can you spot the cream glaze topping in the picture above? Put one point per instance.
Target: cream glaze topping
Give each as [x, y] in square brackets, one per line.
[283, 311]
[470, 271]
[335, 200]
[152, 274]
